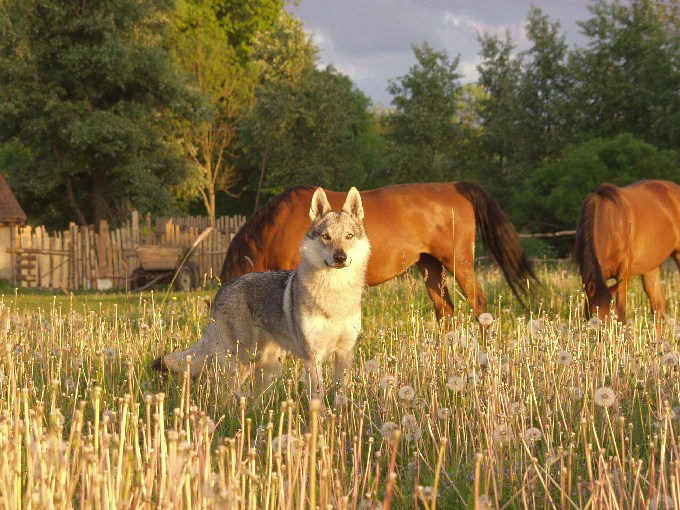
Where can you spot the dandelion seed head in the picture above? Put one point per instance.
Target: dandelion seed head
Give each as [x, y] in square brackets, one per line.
[111, 352]
[484, 503]
[485, 319]
[371, 366]
[564, 358]
[533, 434]
[387, 381]
[387, 431]
[604, 397]
[503, 433]
[411, 429]
[594, 323]
[669, 359]
[443, 413]
[340, 400]
[456, 383]
[407, 393]
[516, 408]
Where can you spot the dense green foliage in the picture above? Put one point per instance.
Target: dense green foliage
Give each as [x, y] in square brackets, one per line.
[87, 95]
[138, 104]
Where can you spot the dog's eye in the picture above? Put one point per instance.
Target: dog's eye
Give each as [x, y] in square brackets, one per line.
[350, 236]
[325, 237]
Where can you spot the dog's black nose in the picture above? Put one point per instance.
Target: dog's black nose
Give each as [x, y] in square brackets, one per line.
[339, 257]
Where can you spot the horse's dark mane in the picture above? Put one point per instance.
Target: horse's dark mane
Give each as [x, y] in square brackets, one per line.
[239, 251]
[584, 250]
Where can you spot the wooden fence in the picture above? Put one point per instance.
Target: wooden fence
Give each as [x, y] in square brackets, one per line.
[80, 258]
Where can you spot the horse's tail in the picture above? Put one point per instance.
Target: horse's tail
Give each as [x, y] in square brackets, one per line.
[500, 238]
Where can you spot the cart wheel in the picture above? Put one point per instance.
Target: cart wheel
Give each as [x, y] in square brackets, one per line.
[184, 279]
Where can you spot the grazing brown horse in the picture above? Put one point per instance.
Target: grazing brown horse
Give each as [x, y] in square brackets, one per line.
[431, 225]
[623, 232]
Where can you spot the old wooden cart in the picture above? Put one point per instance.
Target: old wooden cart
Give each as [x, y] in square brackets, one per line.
[160, 264]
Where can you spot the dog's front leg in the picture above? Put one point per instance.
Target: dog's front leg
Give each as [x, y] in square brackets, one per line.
[344, 359]
[316, 389]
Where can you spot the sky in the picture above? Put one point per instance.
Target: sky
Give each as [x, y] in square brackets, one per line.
[371, 40]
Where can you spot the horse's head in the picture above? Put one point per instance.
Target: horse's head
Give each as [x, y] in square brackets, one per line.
[599, 298]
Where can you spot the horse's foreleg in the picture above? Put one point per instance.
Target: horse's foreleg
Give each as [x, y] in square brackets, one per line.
[651, 281]
[434, 274]
[621, 296]
[465, 277]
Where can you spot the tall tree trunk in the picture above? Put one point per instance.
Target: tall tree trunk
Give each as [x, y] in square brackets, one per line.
[98, 205]
[71, 200]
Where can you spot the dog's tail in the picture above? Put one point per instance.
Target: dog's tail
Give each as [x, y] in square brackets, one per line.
[159, 365]
[500, 238]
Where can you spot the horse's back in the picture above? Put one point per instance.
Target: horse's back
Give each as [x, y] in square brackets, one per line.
[653, 222]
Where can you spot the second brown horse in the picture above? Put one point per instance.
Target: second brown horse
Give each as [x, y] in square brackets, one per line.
[431, 225]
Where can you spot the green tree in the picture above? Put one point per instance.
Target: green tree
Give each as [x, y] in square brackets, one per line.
[315, 130]
[203, 50]
[553, 195]
[420, 132]
[499, 77]
[629, 74]
[307, 126]
[525, 112]
[87, 92]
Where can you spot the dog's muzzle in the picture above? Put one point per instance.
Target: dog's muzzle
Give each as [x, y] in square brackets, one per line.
[339, 259]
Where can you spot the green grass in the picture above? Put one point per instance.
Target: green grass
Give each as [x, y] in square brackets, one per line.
[84, 420]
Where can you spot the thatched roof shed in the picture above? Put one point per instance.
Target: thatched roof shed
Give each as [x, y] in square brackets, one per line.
[11, 214]
[10, 210]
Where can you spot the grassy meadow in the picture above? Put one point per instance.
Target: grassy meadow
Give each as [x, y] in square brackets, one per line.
[544, 409]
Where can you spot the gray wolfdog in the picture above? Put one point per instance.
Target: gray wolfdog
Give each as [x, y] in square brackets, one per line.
[310, 312]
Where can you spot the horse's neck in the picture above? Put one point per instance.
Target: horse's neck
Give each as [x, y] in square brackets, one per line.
[610, 236]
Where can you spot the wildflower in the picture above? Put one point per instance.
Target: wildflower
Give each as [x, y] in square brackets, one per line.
[443, 413]
[594, 323]
[387, 431]
[371, 366]
[485, 319]
[407, 393]
[456, 383]
[412, 430]
[604, 397]
[564, 358]
[387, 381]
[533, 434]
[670, 359]
[503, 433]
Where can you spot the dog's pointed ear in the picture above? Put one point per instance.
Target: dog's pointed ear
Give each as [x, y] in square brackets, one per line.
[353, 205]
[320, 205]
